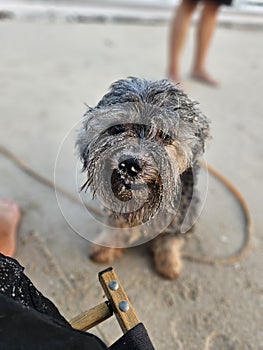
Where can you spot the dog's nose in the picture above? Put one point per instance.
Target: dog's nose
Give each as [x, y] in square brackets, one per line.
[130, 166]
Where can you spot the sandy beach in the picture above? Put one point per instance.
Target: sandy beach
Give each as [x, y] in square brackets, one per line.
[49, 70]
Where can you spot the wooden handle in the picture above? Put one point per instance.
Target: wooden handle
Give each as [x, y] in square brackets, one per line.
[118, 299]
[92, 317]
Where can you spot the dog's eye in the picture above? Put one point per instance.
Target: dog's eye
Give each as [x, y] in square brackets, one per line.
[116, 129]
[167, 139]
[163, 137]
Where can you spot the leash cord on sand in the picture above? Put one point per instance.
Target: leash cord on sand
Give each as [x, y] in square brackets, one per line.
[246, 246]
[199, 259]
[29, 171]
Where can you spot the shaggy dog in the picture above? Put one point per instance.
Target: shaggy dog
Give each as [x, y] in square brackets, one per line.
[139, 148]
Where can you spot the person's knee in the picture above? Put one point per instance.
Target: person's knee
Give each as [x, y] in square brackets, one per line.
[211, 7]
[188, 6]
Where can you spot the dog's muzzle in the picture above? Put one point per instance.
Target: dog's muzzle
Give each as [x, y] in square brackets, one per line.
[124, 179]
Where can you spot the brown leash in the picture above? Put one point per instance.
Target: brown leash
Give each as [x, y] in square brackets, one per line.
[232, 259]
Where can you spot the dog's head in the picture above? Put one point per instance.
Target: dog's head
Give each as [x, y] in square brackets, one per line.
[135, 144]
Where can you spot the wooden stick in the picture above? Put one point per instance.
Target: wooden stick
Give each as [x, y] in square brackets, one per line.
[92, 317]
[118, 299]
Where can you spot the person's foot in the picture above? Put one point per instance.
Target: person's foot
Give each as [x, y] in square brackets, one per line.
[204, 77]
[176, 79]
[9, 220]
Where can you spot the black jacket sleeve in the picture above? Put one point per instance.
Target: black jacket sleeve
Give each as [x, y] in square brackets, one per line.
[30, 321]
[23, 328]
[135, 339]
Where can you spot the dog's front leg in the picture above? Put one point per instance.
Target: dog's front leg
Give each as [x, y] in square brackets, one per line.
[107, 247]
[166, 250]
[104, 255]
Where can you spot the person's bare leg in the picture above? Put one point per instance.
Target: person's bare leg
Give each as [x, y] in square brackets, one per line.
[179, 30]
[9, 219]
[205, 32]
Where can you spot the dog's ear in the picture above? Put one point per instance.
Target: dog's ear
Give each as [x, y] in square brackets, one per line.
[83, 151]
[170, 97]
[82, 141]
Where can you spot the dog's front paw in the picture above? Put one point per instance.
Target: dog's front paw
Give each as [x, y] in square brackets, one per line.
[167, 256]
[103, 255]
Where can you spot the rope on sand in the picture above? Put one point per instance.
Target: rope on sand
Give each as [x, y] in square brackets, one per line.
[229, 260]
[32, 173]
[246, 246]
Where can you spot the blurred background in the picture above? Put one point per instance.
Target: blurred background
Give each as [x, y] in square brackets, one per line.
[59, 56]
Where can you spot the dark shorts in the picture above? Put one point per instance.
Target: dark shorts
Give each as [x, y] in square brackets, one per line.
[220, 2]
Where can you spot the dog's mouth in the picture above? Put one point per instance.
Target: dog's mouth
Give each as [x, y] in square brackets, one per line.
[124, 186]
